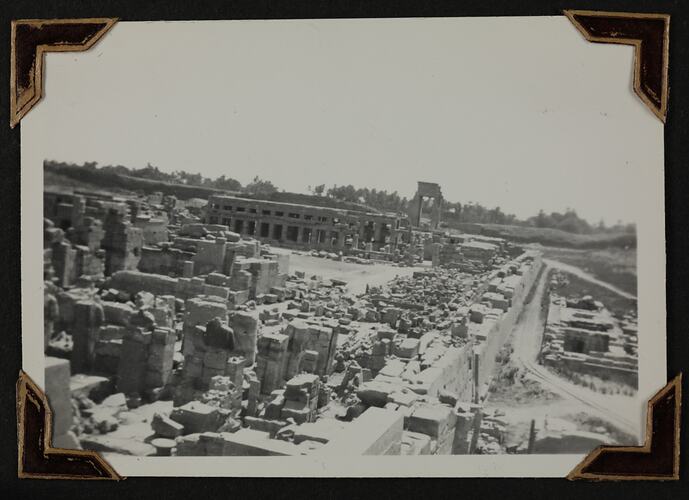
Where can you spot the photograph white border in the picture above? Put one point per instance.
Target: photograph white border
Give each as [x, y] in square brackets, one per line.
[652, 352]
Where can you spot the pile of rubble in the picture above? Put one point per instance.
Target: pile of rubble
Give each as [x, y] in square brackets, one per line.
[196, 341]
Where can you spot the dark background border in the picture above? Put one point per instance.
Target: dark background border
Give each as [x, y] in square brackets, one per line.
[676, 206]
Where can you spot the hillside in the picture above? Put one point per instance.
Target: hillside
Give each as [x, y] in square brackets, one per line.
[69, 174]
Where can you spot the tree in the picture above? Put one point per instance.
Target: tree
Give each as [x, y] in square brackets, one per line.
[260, 187]
[227, 183]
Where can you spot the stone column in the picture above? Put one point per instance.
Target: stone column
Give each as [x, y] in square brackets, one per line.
[57, 377]
[415, 208]
[340, 239]
[355, 241]
[377, 228]
[63, 261]
[188, 269]
[435, 254]
[88, 317]
[78, 210]
[51, 314]
[300, 235]
[394, 236]
[437, 212]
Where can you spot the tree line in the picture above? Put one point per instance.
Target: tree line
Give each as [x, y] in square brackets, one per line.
[470, 212]
[257, 186]
[379, 199]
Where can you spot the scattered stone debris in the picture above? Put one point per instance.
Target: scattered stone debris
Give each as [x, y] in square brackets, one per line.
[174, 331]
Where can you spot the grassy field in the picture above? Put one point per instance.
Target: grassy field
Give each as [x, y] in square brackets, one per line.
[616, 266]
[550, 237]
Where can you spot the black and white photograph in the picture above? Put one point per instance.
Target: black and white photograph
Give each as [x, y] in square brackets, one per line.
[315, 240]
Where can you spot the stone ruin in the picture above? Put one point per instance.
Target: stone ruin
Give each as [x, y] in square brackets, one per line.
[426, 190]
[240, 357]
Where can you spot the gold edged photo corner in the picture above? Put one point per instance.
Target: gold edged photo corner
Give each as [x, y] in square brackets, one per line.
[656, 459]
[30, 39]
[37, 459]
[649, 34]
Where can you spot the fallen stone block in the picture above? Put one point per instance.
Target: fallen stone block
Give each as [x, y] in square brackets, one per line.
[197, 417]
[375, 393]
[249, 442]
[265, 425]
[117, 400]
[190, 446]
[322, 430]
[375, 432]
[415, 443]
[408, 348]
[433, 420]
[393, 368]
[166, 427]
[91, 386]
[110, 444]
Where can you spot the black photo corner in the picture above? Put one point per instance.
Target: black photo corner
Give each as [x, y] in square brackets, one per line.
[676, 153]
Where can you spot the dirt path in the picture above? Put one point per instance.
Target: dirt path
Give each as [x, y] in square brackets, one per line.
[527, 337]
[588, 277]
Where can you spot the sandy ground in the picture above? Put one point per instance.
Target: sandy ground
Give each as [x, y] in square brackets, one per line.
[357, 276]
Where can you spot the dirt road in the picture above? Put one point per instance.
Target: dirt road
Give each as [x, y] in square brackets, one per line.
[527, 338]
[588, 277]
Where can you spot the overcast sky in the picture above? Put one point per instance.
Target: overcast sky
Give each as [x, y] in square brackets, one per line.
[520, 113]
